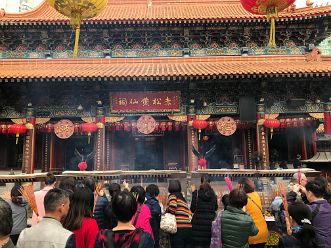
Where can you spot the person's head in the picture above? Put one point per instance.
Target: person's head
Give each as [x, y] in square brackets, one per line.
[303, 179]
[81, 205]
[6, 223]
[238, 198]
[114, 189]
[153, 190]
[205, 178]
[68, 183]
[225, 200]
[124, 206]
[15, 195]
[139, 193]
[315, 190]
[174, 187]
[300, 215]
[56, 203]
[50, 179]
[247, 185]
[89, 182]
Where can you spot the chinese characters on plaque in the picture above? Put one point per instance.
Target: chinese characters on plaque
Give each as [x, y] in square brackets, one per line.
[149, 101]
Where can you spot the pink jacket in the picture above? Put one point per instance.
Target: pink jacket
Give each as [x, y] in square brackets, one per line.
[143, 220]
[40, 195]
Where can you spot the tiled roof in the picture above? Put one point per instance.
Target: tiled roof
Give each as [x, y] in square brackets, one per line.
[167, 68]
[163, 11]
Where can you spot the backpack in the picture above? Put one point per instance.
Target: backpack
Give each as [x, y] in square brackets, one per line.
[216, 237]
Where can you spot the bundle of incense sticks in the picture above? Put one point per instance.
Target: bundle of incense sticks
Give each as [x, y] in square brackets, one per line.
[229, 183]
[27, 192]
[282, 190]
[299, 176]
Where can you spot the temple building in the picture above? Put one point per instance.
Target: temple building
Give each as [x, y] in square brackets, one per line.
[147, 72]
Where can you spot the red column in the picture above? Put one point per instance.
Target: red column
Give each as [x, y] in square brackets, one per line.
[29, 146]
[327, 123]
[314, 137]
[262, 141]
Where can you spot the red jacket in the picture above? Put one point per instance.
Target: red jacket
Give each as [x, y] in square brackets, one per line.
[86, 235]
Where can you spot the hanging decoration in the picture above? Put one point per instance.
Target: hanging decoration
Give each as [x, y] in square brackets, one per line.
[64, 129]
[82, 166]
[226, 126]
[88, 128]
[146, 124]
[17, 129]
[271, 123]
[199, 124]
[269, 8]
[77, 11]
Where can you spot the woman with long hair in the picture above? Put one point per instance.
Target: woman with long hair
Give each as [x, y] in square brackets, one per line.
[254, 208]
[19, 212]
[178, 206]
[79, 219]
[303, 233]
[204, 206]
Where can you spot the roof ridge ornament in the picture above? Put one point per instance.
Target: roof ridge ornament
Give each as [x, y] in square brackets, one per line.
[314, 56]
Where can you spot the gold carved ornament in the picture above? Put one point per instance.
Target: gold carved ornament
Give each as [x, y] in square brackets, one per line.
[64, 129]
[317, 115]
[226, 126]
[146, 124]
[77, 10]
[179, 118]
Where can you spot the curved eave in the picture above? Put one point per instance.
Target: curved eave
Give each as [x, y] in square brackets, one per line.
[205, 12]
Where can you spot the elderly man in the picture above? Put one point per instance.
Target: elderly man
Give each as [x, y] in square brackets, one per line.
[49, 232]
[6, 224]
[296, 188]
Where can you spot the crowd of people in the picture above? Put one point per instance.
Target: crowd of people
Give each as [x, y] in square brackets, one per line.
[75, 214]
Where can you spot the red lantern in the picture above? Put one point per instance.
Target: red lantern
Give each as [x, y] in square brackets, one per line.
[88, 128]
[199, 124]
[82, 166]
[17, 129]
[4, 128]
[271, 123]
[163, 126]
[126, 126]
[157, 126]
[177, 126]
[270, 9]
[169, 125]
[77, 127]
[134, 126]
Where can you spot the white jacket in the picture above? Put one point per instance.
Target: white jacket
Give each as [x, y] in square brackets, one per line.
[49, 233]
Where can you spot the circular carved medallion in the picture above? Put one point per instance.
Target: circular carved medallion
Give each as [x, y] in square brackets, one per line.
[226, 126]
[64, 129]
[146, 124]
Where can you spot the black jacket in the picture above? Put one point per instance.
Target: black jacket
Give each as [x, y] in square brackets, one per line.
[155, 209]
[204, 206]
[99, 212]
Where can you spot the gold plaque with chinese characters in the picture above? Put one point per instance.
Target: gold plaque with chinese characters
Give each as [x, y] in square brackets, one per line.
[146, 124]
[226, 126]
[64, 129]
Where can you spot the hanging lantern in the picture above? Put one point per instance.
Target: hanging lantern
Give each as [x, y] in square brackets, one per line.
[269, 8]
[88, 128]
[126, 126]
[271, 123]
[199, 124]
[77, 128]
[177, 126]
[4, 129]
[157, 126]
[77, 11]
[163, 126]
[17, 129]
[169, 125]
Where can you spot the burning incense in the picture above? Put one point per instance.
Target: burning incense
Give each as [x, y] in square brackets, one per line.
[282, 190]
[27, 192]
[229, 183]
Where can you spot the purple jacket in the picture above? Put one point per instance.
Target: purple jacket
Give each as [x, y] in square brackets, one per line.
[322, 220]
